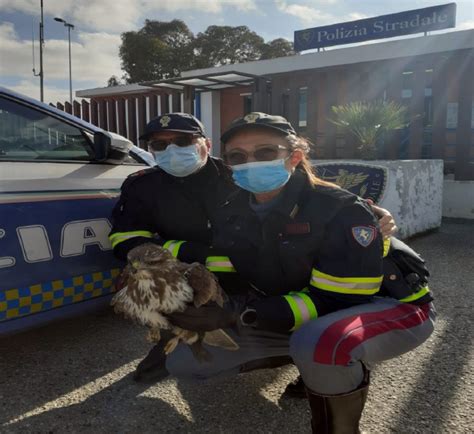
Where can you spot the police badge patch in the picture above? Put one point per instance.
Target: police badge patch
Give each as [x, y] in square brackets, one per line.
[164, 121]
[364, 235]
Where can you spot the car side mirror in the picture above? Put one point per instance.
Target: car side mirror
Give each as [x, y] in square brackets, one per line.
[111, 147]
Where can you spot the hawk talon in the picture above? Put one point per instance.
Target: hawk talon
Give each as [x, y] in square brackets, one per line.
[171, 345]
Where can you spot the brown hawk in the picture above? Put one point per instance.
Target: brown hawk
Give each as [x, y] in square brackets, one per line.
[157, 284]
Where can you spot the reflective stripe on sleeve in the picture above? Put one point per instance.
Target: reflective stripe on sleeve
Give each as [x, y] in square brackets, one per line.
[302, 307]
[173, 246]
[422, 292]
[346, 285]
[220, 264]
[386, 247]
[119, 237]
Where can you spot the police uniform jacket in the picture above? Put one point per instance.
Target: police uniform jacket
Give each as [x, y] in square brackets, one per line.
[173, 211]
[318, 250]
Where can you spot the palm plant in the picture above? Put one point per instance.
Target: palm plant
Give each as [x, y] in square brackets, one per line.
[368, 121]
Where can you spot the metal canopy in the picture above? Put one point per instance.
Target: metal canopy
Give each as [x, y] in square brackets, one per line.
[206, 82]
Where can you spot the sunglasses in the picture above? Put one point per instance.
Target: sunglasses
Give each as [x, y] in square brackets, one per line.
[263, 153]
[181, 141]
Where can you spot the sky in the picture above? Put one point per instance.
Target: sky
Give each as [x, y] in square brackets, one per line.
[95, 39]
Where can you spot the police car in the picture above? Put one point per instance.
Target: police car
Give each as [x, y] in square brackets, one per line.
[59, 179]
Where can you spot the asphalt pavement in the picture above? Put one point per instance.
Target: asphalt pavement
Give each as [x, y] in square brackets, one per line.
[74, 376]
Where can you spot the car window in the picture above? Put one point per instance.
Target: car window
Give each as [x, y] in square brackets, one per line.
[29, 134]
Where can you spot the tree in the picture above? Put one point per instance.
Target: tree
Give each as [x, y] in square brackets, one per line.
[113, 81]
[277, 48]
[223, 45]
[159, 50]
[367, 121]
[163, 50]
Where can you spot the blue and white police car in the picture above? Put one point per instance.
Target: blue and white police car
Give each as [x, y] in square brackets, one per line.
[59, 179]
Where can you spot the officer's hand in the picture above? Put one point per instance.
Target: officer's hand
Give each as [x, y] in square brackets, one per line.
[386, 221]
[204, 318]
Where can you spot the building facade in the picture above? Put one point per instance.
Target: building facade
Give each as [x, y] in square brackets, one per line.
[432, 75]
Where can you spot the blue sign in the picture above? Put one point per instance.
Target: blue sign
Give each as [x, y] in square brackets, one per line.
[365, 180]
[385, 26]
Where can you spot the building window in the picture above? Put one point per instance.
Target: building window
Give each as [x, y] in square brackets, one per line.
[302, 106]
[427, 143]
[407, 84]
[452, 116]
[247, 99]
[285, 105]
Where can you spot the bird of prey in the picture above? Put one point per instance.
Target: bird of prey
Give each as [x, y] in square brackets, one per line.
[157, 285]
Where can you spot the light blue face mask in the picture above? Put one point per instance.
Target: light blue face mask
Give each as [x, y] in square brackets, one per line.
[261, 176]
[179, 161]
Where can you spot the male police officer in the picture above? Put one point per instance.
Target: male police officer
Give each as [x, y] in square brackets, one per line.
[173, 204]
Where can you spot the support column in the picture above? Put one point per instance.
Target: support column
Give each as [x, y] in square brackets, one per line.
[211, 118]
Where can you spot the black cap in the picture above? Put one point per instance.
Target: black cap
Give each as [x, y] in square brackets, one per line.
[180, 122]
[257, 119]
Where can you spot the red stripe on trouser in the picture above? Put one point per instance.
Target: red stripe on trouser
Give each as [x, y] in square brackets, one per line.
[344, 335]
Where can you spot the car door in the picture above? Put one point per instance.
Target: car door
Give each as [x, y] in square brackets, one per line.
[55, 204]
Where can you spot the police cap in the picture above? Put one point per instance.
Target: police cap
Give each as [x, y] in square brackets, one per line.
[258, 119]
[179, 122]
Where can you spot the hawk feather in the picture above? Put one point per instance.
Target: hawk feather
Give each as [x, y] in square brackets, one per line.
[157, 284]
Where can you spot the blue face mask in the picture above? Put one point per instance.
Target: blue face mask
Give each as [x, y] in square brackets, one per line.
[179, 161]
[261, 177]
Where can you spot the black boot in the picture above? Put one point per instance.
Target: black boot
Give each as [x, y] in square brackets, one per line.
[338, 414]
[296, 389]
[153, 367]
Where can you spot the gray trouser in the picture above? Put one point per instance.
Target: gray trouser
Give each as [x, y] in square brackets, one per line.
[328, 351]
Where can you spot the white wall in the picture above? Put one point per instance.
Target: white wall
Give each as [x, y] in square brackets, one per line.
[211, 118]
[413, 193]
[458, 199]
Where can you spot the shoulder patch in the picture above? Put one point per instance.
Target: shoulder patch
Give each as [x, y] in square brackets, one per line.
[364, 235]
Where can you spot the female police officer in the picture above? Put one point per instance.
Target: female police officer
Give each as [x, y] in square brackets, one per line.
[313, 253]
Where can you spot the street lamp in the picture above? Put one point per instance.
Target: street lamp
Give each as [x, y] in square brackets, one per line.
[69, 27]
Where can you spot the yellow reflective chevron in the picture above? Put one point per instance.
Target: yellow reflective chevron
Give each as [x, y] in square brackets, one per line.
[119, 237]
[220, 264]
[173, 246]
[422, 292]
[302, 307]
[386, 247]
[346, 285]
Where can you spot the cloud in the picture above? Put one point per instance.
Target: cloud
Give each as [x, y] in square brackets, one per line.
[466, 25]
[94, 58]
[311, 16]
[306, 14]
[115, 16]
[31, 88]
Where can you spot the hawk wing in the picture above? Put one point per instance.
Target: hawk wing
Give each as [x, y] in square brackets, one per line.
[205, 285]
